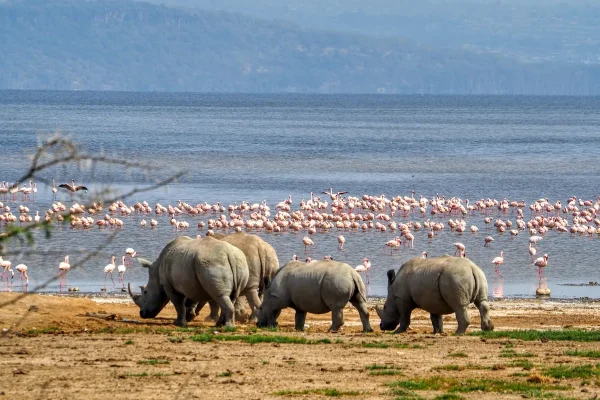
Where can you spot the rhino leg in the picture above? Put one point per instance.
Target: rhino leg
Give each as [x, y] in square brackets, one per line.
[179, 302]
[214, 311]
[190, 308]
[300, 319]
[437, 322]
[462, 317]
[484, 311]
[241, 309]
[404, 310]
[363, 312]
[227, 312]
[337, 320]
[254, 302]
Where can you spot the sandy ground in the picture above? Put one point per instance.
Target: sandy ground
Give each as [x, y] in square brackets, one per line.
[50, 349]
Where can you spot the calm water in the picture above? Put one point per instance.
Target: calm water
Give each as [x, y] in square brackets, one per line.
[264, 147]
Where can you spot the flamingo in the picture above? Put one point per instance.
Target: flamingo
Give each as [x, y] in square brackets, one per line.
[54, 189]
[307, 242]
[131, 253]
[22, 268]
[460, 248]
[153, 223]
[63, 269]
[364, 267]
[424, 254]
[143, 224]
[393, 244]
[295, 258]
[488, 240]
[121, 270]
[535, 240]
[532, 251]
[72, 188]
[109, 270]
[497, 262]
[341, 241]
[5, 264]
[541, 262]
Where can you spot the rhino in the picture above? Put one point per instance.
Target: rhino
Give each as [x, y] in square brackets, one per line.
[193, 270]
[317, 287]
[440, 286]
[262, 262]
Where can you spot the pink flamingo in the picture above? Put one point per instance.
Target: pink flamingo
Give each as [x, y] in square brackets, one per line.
[109, 269]
[532, 251]
[307, 242]
[541, 263]
[393, 244]
[63, 269]
[488, 240]
[121, 270]
[341, 241]
[424, 254]
[364, 267]
[5, 264]
[54, 190]
[460, 248]
[131, 253]
[22, 268]
[497, 262]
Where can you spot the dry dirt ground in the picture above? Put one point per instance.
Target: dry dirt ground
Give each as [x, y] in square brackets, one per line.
[50, 349]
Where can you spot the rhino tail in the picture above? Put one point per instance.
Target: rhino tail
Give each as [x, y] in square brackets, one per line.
[359, 286]
[234, 265]
[262, 255]
[480, 288]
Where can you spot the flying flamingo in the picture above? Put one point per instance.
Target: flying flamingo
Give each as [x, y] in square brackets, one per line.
[341, 241]
[541, 263]
[532, 251]
[22, 268]
[307, 242]
[460, 248]
[72, 188]
[497, 262]
[109, 270]
[364, 267]
[121, 270]
[63, 269]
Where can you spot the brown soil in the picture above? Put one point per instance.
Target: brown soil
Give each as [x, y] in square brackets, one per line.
[50, 349]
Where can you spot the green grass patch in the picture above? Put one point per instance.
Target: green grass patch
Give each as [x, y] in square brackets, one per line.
[175, 339]
[583, 353]
[456, 367]
[224, 374]
[256, 338]
[459, 354]
[128, 342]
[575, 335]
[229, 329]
[43, 331]
[508, 353]
[471, 385]
[403, 394]
[523, 363]
[375, 345]
[153, 362]
[573, 372]
[323, 392]
[378, 369]
[448, 396]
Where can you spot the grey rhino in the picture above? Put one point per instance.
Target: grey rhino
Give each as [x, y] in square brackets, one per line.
[440, 286]
[317, 287]
[262, 262]
[195, 270]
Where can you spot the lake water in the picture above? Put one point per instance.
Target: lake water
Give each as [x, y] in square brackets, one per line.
[266, 147]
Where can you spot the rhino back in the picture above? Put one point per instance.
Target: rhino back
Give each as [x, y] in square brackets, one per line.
[314, 287]
[437, 285]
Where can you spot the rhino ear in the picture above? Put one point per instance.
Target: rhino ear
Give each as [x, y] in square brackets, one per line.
[266, 281]
[391, 274]
[144, 263]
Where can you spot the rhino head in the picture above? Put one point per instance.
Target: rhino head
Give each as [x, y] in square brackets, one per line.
[153, 298]
[267, 312]
[390, 317]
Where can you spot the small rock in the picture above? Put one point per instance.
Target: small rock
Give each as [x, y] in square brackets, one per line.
[19, 371]
[33, 308]
[328, 382]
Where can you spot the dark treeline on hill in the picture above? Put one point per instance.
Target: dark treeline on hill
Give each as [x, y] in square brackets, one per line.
[122, 45]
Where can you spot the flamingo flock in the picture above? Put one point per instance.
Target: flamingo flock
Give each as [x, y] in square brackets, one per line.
[402, 216]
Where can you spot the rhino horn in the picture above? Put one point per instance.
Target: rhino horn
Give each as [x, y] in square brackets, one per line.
[379, 312]
[134, 297]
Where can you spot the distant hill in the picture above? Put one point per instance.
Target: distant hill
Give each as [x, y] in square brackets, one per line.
[531, 30]
[122, 45]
